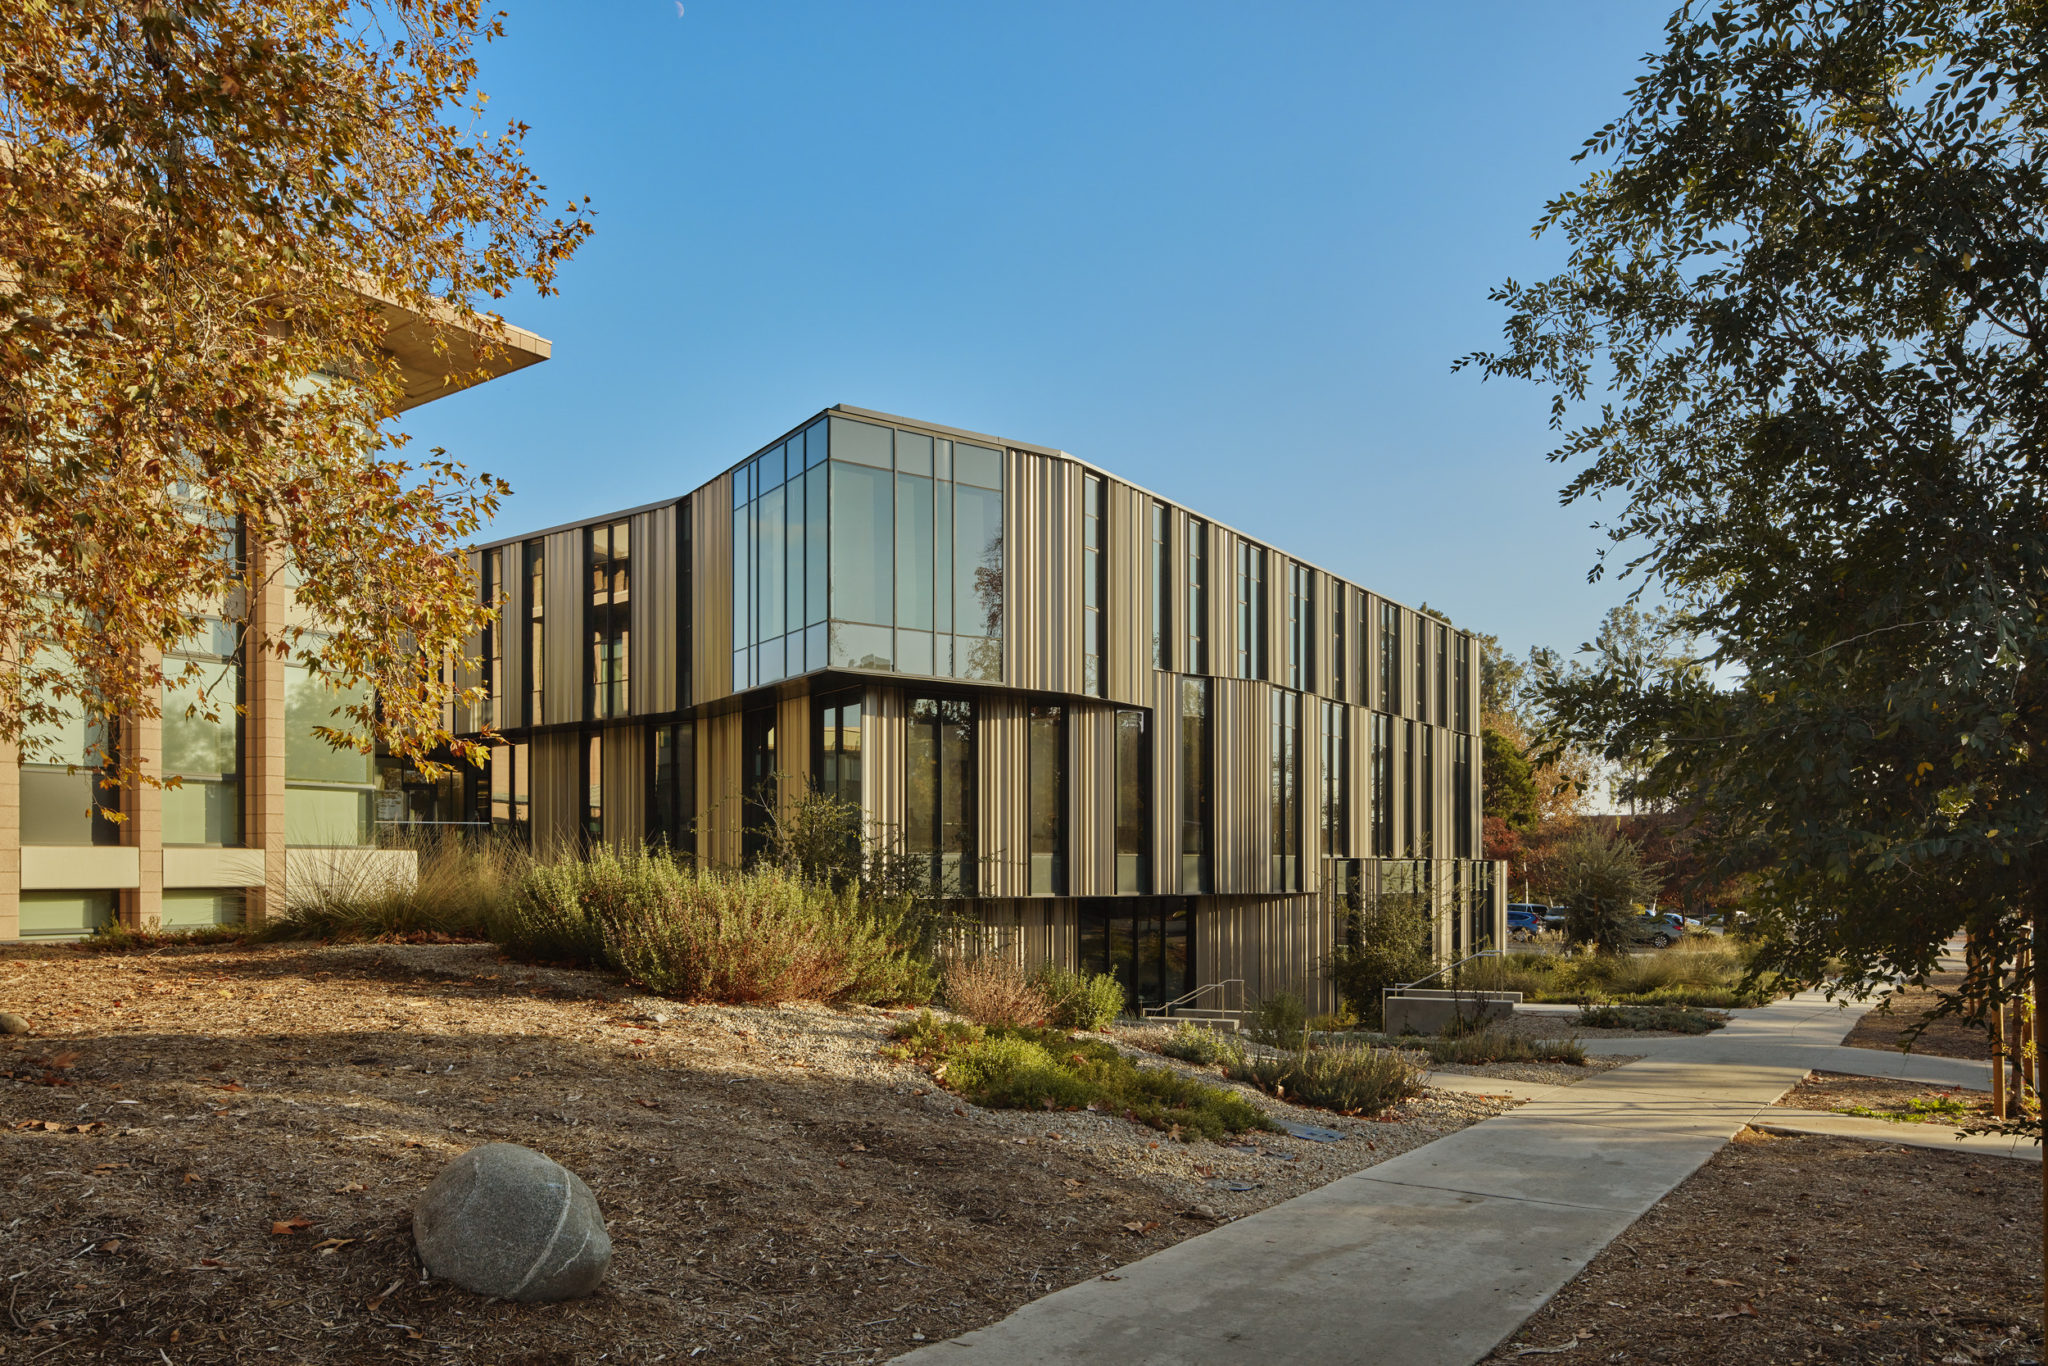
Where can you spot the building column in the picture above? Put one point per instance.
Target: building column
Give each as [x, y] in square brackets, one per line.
[142, 906]
[263, 731]
[10, 841]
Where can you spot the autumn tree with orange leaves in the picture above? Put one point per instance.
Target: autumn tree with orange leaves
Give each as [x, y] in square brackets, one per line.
[209, 215]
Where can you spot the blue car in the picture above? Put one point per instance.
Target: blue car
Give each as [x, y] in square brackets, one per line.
[1524, 922]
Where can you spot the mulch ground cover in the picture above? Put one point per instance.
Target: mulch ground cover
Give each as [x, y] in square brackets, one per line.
[1905, 1007]
[1801, 1250]
[1909, 1102]
[212, 1157]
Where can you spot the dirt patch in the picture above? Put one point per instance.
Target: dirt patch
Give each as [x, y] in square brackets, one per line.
[1884, 1098]
[1904, 1007]
[776, 1190]
[1814, 1250]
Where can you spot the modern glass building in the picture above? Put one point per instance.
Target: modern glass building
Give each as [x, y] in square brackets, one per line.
[1131, 738]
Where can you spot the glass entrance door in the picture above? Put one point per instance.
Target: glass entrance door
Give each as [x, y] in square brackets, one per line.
[1144, 942]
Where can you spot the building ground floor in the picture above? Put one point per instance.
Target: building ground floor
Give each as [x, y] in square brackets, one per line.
[1212, 842]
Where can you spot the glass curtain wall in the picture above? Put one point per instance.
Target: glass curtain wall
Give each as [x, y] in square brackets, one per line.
[1197, 783]
[1047, 805]
[939, 791]
[534, 629]
[1198, 597]
[1443, 677]
[1390, 657]
[1336, 780]
[1162, 587]
[860, 546]
[672, 792]
[593, 790]
[1340, 653]
[1251, 611]
[490, 586]
[1426, 840]
[1461, 793]
[608, 618]
[835, 745]
[1133, 802]
[1145, 945]
[511, 786]
[1094, 583]
[1382, 786]
[1301, 617]
[1286, 790]
[1461, 701]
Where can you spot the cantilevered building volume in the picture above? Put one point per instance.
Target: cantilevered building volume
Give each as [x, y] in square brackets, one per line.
[1132, 738]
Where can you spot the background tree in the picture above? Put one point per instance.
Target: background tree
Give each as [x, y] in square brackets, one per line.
[211, 214]
[1811, 275]
[1509, 785]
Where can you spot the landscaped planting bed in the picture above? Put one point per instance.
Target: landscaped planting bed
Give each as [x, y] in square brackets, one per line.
[211, 1153]
[1808, 1250]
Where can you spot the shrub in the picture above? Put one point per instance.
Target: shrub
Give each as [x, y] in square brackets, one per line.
[1280, 1021]
[1386, 941]
[1036, 1069]
[1483, 1046]
[1677, 1018]
[1079, 1000]
[1352, 1079]
[1192, 1043]
[991, 991]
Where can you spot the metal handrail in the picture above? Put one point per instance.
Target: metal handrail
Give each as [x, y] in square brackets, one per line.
[1483, 953]
[1148, 1012]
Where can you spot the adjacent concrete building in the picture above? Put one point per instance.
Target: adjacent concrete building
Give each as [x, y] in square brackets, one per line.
[1131, 737]
[263, 805]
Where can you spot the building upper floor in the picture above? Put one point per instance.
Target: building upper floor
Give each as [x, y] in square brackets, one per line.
[862, 543]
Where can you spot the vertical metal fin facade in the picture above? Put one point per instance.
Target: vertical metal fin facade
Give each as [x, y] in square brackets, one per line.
[655, 612]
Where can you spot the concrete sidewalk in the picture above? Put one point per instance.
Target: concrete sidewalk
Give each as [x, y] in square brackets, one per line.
[1939, 1136]
[1431, 1258]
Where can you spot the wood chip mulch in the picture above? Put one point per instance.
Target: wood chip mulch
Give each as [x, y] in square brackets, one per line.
[1804, 1250]
[1948, 1037]
[1841, 1091]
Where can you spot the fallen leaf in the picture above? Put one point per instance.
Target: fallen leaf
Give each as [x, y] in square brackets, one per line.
[62, 1060]
[190, 1177]
[650, 1104]
[1745, 1310]
[209, 1261]
[384, 1294]
[327, 1248]
[349, 1189]
[290, 1226]
[111, 1245]
[229, 1086]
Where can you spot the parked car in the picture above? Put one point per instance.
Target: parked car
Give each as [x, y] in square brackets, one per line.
[1658, 930]
[1524, 922]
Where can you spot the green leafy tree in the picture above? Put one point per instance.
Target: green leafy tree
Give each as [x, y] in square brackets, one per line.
[1811, 273]
[1386, 941]
[1509, 785]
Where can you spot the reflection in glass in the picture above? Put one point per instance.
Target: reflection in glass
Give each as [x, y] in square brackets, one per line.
[1133, 802]
[1047, 798]
[1197, 759]
[863, 544]
[939, 793]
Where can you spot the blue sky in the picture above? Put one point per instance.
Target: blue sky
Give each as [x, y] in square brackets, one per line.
[1228, 252]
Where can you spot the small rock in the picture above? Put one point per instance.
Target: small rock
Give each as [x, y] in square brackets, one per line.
[12, 1024]
[1208, 1212]
[503, 1220]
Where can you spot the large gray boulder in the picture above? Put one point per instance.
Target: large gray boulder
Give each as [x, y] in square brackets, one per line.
[503, 1220]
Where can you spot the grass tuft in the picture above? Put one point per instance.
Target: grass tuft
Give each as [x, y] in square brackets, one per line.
[1351, 1079]
[1679, 1019]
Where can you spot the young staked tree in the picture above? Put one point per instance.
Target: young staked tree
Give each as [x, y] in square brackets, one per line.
[1809, 274]
[211, 212]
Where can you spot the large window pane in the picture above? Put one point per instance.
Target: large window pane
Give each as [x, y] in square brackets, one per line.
[1133, 803]
[977, 465]
[189, 909]
[309, 701]
[914, 551]
[333, 816]
[192, 743]
[815, 523]
[768, 532]
[860, 442]
[203, 811]
[978, 562]
[863, 543]
[65, 915]
[939, 776]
